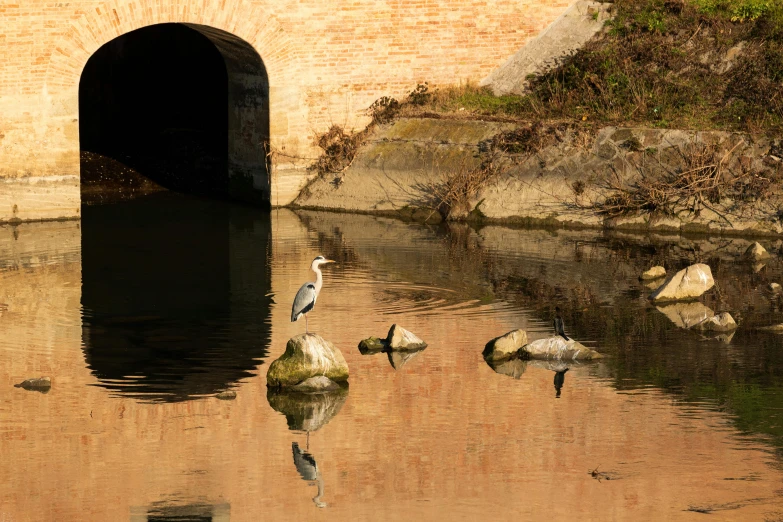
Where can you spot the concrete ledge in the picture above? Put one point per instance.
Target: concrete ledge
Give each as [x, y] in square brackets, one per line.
[34, 198]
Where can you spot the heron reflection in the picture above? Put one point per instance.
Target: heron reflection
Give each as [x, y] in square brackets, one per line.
[308, 469]
[559, 381]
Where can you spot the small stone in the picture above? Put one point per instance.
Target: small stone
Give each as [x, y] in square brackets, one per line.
[686, 284]
[655, 272]
[774, 288]
[227, 395]
[401, 339]
[722, 322]
[560, 349]
[756, 252]
[41, 384]
[372, 345]
[505, 346]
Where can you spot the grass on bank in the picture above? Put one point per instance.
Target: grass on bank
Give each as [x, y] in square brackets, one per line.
[694, 64]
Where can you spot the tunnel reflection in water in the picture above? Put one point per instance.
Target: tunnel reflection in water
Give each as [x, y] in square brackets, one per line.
[175, 297]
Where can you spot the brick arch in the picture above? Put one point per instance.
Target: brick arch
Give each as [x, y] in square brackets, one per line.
[99, 25]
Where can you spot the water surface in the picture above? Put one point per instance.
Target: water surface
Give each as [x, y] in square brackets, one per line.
[145, 310]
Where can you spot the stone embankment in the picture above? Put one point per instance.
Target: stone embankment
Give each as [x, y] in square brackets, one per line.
[574, 178]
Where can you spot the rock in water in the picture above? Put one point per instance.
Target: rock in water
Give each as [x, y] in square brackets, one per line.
[227, 395]
[560, 349]
[722, 322]
[505, 346]
[655, 272]
[401, 339]
[307, 355]
[756, 252]
[685, 315]
[686, 284]
[41, 384]
[372, 345]
[777, 328]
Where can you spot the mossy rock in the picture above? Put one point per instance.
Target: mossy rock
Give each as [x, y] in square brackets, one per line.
[307, 355]
[372, 345]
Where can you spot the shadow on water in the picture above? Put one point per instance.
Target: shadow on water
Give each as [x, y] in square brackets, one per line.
[162, 512]
[175, 295]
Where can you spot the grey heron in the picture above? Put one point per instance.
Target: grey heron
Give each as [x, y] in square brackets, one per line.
[306, 296]
[558, 323]
[308, 470]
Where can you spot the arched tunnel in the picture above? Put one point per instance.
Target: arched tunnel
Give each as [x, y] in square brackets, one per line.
[182, 105]
[175, 289]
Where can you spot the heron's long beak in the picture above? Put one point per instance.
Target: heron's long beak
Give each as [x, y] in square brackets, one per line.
[330, 261]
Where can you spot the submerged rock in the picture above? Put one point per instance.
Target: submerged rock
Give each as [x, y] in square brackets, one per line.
[685, 315]
[307, 411]
[559, 348]
[686, 284]
[401, 339]
[777, 328]
[756, 252]
[505, 346]
[307, 355]
[319, 383]
[512, 367]
[227, 395]
[722, 322]
[41, 384]
[655, 272]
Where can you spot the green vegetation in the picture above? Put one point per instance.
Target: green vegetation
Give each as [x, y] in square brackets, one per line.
[697, 64]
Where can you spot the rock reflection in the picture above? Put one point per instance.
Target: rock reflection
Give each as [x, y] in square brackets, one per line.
[175, 295]
[511, 367]
[685, 315]
[308, 469]
[400, 359]
[307, 411]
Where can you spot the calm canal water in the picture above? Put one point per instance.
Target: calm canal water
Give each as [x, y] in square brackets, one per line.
[145, 310]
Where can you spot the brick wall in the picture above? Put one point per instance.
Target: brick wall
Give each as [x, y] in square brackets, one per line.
[326, 60]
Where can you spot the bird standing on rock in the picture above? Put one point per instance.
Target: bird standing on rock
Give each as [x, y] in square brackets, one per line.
[558, 323]
[306, 296]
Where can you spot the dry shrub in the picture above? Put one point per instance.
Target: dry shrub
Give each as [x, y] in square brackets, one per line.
[529, 139]
[451, 197]
[339, 149]
[704, 180]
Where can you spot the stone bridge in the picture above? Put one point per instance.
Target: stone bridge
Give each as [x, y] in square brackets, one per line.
[259, 80]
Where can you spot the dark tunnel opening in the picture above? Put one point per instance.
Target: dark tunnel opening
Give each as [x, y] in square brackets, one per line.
[155, 99]
[178, 107]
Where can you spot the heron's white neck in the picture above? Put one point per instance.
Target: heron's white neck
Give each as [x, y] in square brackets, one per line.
[319, 279]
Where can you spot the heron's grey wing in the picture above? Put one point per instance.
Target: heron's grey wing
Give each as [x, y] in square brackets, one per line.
[304, 462]
[304, 301]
